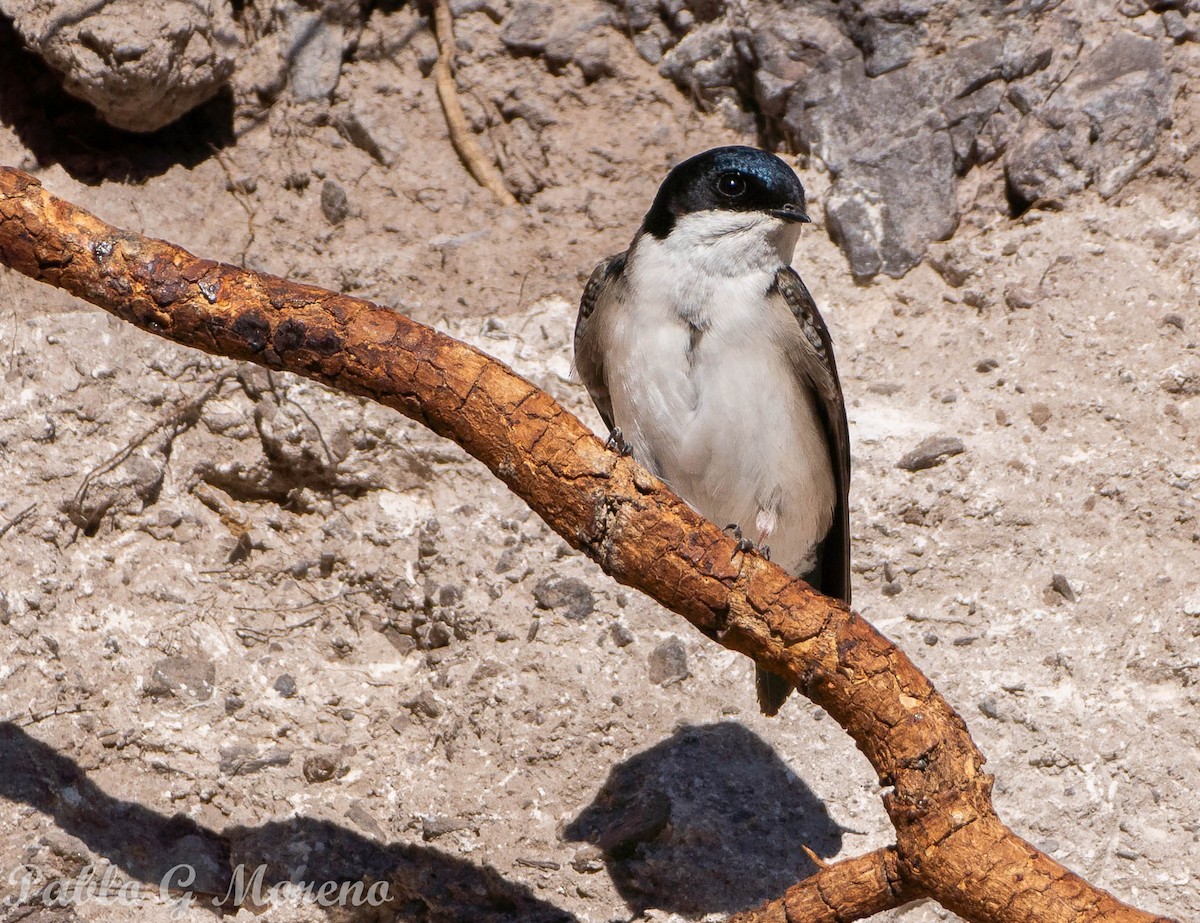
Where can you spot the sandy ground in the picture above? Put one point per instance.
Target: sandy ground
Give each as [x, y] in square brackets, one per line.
[249, 620]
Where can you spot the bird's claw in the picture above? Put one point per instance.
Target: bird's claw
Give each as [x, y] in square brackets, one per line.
[616, 441]
[744, 545]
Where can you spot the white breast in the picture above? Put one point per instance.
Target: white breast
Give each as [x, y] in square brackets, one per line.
[702, 388]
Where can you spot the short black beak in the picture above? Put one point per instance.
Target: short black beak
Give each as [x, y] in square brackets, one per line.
[792, 213]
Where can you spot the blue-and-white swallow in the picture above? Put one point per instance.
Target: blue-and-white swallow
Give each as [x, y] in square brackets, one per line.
[701, 345]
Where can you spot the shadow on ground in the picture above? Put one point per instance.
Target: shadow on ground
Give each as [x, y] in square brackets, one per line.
[708, 820]
[426, 885]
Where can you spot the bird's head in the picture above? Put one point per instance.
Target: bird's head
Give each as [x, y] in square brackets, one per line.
[730, 190]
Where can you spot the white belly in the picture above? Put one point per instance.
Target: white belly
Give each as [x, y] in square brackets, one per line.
[724, 421]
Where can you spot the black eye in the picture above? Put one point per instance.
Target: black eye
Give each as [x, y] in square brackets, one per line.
[731, 185]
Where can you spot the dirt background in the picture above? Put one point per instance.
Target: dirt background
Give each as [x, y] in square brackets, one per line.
[248, 620]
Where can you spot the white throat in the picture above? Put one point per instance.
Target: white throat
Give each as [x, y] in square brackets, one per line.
[709, 256]
[730, 243]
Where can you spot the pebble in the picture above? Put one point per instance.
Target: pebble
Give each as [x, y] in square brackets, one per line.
[425, 705]
[320, 767]
[621, 634]
[427, 540]
[439, 825]
[182, 677]
[668, 662]
[285, 685]
[335, 204]
[588, 860]
[1040, 414]
[569, 594]
[1060, 585]
[1019, 298]
[931, 453]
[240, 759]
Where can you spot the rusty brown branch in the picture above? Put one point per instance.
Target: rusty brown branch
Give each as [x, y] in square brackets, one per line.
[840, 893]
[950, 845]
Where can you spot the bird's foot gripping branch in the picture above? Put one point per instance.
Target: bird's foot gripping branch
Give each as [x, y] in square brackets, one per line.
[950, 845]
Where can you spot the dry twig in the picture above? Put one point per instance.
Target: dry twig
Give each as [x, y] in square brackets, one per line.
[950, 845]
[469, 151]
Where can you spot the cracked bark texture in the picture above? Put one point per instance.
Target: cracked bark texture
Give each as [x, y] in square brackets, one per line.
[950, 845]
[840, 892]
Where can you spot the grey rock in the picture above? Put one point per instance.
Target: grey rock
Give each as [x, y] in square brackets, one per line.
[313, 48]
[527, 26]
[931, 453]
[493, 9]
[427, 538]
[1062, 586]
[621, 635]
[182, 677]
[1050, 159]
[894, 144]
[887, 31]
[438, 826]
[706, 63]
[562, 34]
[789, 50]
[1176, 27]
[360, 816]
[641, 14]
[885, 214]
[285, 685]
[1019, 298]
[570, 595]
[1099, 129]
[966, 119]
[141, 65]
[426, 705]
[434, 636]
[588, 860]
[335, 205]
[509, 558]
[1183, 378]
[321, 767]
[705, 10]
[370, 131]
[449, 594]
[240, 759]
[668, 662]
